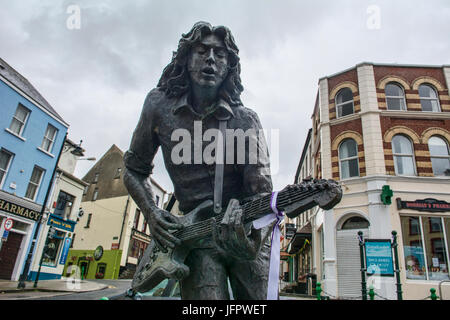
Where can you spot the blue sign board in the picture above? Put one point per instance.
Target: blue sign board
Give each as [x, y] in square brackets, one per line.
[60, 223]
[5, 234]
[65, 250]
[379, 257]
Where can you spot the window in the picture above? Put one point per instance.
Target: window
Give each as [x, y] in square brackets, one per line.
[157, 201]
[96, 178]
[118, 172]
[395, 97]
[35, 181]
[136, 218]
[88, 222]
[64, 204]
[5, 161]
[402, 151]
[428, 98]
[49, 138]
[348, 159]
[85, 191]
[440, 156]
[426, 255]
[144, 226]
[95, 195]
[344, 102]
[355, 223]
[52, 248]
[19, 120]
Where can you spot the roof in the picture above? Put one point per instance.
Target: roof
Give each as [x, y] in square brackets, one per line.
[14, 77]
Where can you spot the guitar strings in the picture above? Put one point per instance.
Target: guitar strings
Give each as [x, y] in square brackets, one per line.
[204, 227]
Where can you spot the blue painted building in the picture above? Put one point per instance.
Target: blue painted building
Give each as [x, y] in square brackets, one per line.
[31, 136]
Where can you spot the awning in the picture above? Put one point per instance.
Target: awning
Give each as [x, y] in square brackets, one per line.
[297, 242]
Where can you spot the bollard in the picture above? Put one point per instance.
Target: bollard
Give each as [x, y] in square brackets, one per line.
[433, 295]
[371, 293]
[318, 290]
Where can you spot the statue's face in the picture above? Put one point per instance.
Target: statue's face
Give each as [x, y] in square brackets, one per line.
[208, 62]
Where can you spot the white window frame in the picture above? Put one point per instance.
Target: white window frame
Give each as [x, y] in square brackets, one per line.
[396, 97]
[22, 122]
[440, 157]
[403, 155]
[51, 139]
[431, 99]
[338, 105]
[348, 159]
[38, 185]
[8, 165]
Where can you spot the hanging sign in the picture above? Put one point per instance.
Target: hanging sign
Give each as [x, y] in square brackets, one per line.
[379, 257]
[65, 250]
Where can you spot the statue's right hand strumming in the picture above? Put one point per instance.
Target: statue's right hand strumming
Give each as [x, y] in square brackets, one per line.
[160, 223]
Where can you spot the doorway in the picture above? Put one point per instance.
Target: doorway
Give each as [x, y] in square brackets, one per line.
[8, 255]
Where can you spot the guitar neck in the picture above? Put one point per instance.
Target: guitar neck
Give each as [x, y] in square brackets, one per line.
[252, 210]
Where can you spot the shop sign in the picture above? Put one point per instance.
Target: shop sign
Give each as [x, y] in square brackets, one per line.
[114, 246]
[58, 222]
[429, 204]
[19, 210]
[98, 253]
[65, 250]
[379, 257]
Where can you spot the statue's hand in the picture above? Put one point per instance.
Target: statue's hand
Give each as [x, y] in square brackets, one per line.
[160, 223]
[230, 236]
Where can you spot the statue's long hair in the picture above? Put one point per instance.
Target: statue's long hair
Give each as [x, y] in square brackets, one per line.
[175, 80]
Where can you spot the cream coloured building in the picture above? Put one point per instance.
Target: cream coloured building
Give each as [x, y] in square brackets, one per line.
[378, 125]
[111, 220]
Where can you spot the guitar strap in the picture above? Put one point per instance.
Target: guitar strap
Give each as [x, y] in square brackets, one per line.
[220, 164]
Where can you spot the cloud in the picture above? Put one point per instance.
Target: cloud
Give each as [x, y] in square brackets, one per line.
[97, 77]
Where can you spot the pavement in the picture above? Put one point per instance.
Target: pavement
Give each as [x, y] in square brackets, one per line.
[60, 285]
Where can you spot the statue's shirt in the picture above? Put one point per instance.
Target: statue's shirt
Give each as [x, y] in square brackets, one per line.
[193, 180]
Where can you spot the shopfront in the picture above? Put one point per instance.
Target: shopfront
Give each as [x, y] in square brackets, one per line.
[17, 221]
[425, 226]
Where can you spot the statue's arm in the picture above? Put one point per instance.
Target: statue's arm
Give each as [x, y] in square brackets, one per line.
[138, 162]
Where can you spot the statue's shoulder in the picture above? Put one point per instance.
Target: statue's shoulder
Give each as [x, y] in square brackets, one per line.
[155, 99]
[246, 113]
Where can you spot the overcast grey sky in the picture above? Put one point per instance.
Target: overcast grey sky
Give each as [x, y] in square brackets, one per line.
[97, 77]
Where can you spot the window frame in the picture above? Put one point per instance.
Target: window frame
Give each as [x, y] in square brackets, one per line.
[8, 166]
[395, 97]
[338, 105]
[95, 194]
[424, 246]
[52, 140]
[348, 159]
[438, 156]
[403, 155]
[38, 185]
[24, 122]
[430, 99]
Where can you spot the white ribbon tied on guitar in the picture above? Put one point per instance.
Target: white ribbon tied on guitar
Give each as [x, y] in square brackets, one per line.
[274, 268]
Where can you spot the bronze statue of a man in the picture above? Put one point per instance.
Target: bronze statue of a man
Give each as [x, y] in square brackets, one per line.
[202, 85]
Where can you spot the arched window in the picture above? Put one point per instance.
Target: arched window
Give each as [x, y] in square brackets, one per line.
[428, 98]
[403, 153]
[348, 159]
[395, 97]
[344, 102]
[440, 156]
[355, 223]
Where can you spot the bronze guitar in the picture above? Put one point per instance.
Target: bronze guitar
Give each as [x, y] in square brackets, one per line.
[155, 265]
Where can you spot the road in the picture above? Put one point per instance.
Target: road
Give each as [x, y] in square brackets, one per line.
[115, 287]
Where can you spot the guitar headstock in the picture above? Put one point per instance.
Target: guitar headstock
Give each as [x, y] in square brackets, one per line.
[309, 193]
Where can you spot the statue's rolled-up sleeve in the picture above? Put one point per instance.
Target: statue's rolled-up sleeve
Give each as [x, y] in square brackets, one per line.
[144, 143]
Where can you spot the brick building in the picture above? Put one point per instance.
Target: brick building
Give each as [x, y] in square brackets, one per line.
[376, 125]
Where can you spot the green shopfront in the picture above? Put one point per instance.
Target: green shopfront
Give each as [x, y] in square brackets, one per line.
[93, 264]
